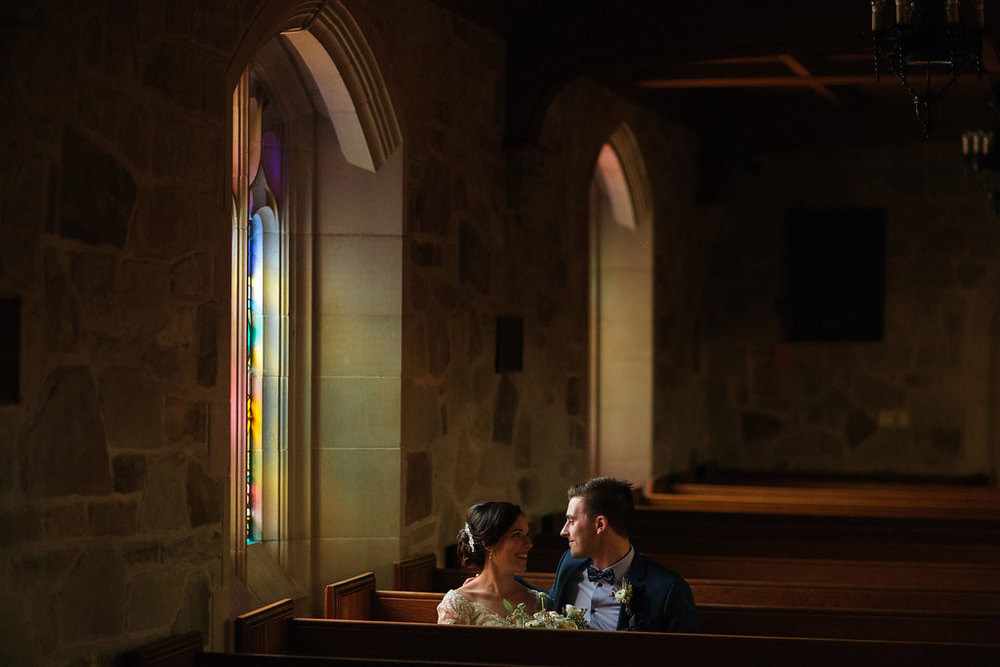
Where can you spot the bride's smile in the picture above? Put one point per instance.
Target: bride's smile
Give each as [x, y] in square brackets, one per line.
[510, 553]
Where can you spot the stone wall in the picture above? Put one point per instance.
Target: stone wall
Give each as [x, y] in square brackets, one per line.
[494, 231]
[113, 461]
[918, 402]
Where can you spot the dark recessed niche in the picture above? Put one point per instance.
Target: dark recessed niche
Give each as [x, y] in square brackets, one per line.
[835, 275]
[10, 349]
[510, 344]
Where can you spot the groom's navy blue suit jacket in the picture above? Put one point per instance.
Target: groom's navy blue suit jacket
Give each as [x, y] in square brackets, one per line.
[661, 599]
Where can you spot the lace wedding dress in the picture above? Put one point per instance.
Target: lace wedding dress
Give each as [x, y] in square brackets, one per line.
[457, 609]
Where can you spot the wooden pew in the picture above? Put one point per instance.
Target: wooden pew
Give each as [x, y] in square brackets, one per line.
[793, 536]
[174, 651]
[857, 499]
[930, 576]
[408, 642]
[358, 599]
[420, 574]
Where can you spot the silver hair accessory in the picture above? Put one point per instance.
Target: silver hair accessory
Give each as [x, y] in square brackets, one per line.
[468, 532]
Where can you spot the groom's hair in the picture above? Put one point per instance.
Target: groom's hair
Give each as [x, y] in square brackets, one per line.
[610, 497]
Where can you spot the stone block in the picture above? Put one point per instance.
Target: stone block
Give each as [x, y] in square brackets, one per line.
[50, 565]
[504, 411]
[432, 200]
[359, 345]
[154, 599]
[528, 491]
[522, 445]
[428, 255]
[113, 518]
[208, 345]
[92, 601]
[419, 486]
[194, 613]
[65, 450]
[465, 462]
[876, 393]
[943, 444]
[141, 552]
[474, 259]
[129, 473]
[93, 279]
[215, 24]
[86, 170]
[361, 492]
[132, 409]
[438, 347]
[186, 422]
[191, 277]
[970, 275]
[364, 412]
[176, 70]
[204, 496]
[66, 520]
[166, 225]
[575, 396]
[62, 314]
[23, 218]
[22, 524]
[142, 292]
[360, 275]
[757, 426]
[164, 500]
[858, 426]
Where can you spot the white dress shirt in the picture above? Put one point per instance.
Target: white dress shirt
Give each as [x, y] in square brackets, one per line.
[599, 598]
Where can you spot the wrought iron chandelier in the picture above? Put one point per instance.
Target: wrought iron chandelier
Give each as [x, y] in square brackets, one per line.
[932, 39]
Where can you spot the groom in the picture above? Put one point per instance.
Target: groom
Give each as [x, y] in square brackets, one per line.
[603, 573]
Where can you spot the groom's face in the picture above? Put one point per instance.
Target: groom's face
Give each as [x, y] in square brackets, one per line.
[579, 529]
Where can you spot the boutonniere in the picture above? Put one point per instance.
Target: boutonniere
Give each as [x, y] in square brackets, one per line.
[623, 595]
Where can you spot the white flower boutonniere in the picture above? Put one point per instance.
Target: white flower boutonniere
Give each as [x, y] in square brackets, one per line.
[623, 595]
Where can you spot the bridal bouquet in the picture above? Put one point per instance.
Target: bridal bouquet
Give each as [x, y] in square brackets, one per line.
[571, 619]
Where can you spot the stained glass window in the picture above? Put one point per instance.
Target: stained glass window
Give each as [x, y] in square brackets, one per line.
[257, 161]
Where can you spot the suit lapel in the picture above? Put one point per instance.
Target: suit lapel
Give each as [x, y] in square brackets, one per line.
[636, 576]
[569, 571]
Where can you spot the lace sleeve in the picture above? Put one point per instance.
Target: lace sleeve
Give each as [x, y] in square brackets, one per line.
[446, 610]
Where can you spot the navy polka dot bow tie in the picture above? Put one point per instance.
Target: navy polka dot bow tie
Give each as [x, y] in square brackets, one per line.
[597, 576]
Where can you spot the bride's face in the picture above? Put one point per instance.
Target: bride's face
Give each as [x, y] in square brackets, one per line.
[510, 553]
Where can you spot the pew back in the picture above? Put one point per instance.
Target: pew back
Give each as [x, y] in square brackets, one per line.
[855, 499]
[381, 640]
[755, 618]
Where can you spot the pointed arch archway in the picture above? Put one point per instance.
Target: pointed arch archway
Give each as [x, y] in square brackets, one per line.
[621, 311]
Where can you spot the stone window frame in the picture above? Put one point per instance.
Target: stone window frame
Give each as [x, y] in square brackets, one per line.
[324, 45]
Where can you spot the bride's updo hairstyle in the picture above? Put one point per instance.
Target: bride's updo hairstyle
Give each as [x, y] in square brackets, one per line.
[485, 524]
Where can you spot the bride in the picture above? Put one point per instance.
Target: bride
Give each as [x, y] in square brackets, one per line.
[494, 541]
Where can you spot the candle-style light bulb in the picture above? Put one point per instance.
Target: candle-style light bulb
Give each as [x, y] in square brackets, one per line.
[877, 8]
[951, 9]
[904, 11]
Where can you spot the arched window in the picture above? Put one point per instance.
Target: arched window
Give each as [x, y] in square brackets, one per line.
[316, 293]
[259, 255]
[621, 321]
